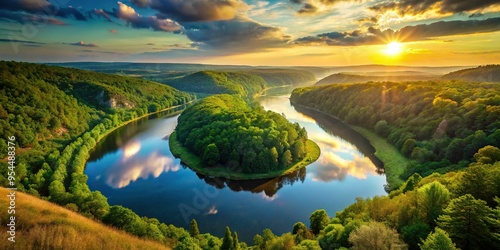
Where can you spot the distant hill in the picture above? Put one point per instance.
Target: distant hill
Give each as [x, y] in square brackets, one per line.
[283, 77]
[40, 101]
[220, 82]
[487, 73]
[340, 78]
[44, 225]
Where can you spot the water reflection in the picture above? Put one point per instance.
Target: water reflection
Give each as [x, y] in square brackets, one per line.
[127, 170]
[267, 187]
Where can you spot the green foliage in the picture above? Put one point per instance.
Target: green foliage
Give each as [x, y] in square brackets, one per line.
[219, 82]
[193, 229]
[226, 131]
[375, 235]
[331, 237]
[436, 123]
[471, 224]
[438, 240]
[227, 241]
[307, 245]
[435, 197]
[487, 155]
[318, 220]
[211, 155]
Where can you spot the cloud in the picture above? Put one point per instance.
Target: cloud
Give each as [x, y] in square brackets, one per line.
[19, 41]
[23, 18]
[310, 7]
[405, 34]
[195, 10]
[415, 7]
[135, 20]
[238, 34]
[82, 44]
[140, 3]
[42, 8]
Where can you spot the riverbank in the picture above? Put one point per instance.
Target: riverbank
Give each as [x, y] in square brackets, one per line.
[394, 162]
[195, 163]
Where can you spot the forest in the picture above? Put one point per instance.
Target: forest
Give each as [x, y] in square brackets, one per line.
[341, 78]
[218, 82]
[440, 125]
[225, 130]
[450, 130]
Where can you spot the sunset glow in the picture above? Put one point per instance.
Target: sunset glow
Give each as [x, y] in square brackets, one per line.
[252, 32]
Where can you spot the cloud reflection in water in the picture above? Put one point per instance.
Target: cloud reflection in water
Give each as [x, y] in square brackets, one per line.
[130, 169]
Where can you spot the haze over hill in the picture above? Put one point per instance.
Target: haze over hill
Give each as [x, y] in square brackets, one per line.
[487, 73]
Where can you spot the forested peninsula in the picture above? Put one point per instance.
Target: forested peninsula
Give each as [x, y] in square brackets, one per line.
[228, 137]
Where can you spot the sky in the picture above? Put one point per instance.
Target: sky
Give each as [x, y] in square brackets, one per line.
[237, 32]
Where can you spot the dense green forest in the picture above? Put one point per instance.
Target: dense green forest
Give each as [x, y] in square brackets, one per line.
[487, 73]
[225, 130]
[438, 124]
[59, 114]
[340, 78]
[283, 77]
[218, 82]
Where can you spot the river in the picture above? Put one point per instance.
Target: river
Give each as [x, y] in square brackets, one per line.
[133, 167]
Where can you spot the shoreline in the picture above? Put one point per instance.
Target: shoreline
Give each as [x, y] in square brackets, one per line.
[194, 162]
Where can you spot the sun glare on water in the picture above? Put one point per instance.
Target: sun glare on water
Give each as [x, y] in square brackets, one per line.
[393, 49]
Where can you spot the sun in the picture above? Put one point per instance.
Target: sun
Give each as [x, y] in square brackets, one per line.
[393, 49]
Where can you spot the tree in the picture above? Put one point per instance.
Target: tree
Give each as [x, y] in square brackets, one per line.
[307, 245]
[470, 223]
[193, 229]
[301, 232]
[438, 240]
[236, 242]
[434, 196]
[227, 241]
[318, 220]
[211, 154]
[375, 235]
[330, 237]
[286, 158]
[487, 155]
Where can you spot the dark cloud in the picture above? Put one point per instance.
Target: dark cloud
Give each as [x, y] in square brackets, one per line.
[19, 41]
[102, 13]
[23, 18]
[82, 44]
[135, 20]
[42, 8]
[140, 3]
[308, 9]
[311, 7]
[235, 35]
[405, 34]
[476, 15]
[413, 7]
[197, 10]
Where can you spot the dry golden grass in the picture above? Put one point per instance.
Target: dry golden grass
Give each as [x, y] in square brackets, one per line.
[43, 225]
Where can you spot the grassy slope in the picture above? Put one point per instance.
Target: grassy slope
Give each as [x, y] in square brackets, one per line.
[394, 162]
[43, 225]
[195, 163]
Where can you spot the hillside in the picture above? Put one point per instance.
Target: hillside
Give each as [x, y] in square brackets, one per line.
[47, 109]
[487, 73]
[219, 82]
[283, 77]
[44, 225]
[340, 78]
[439, 125]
